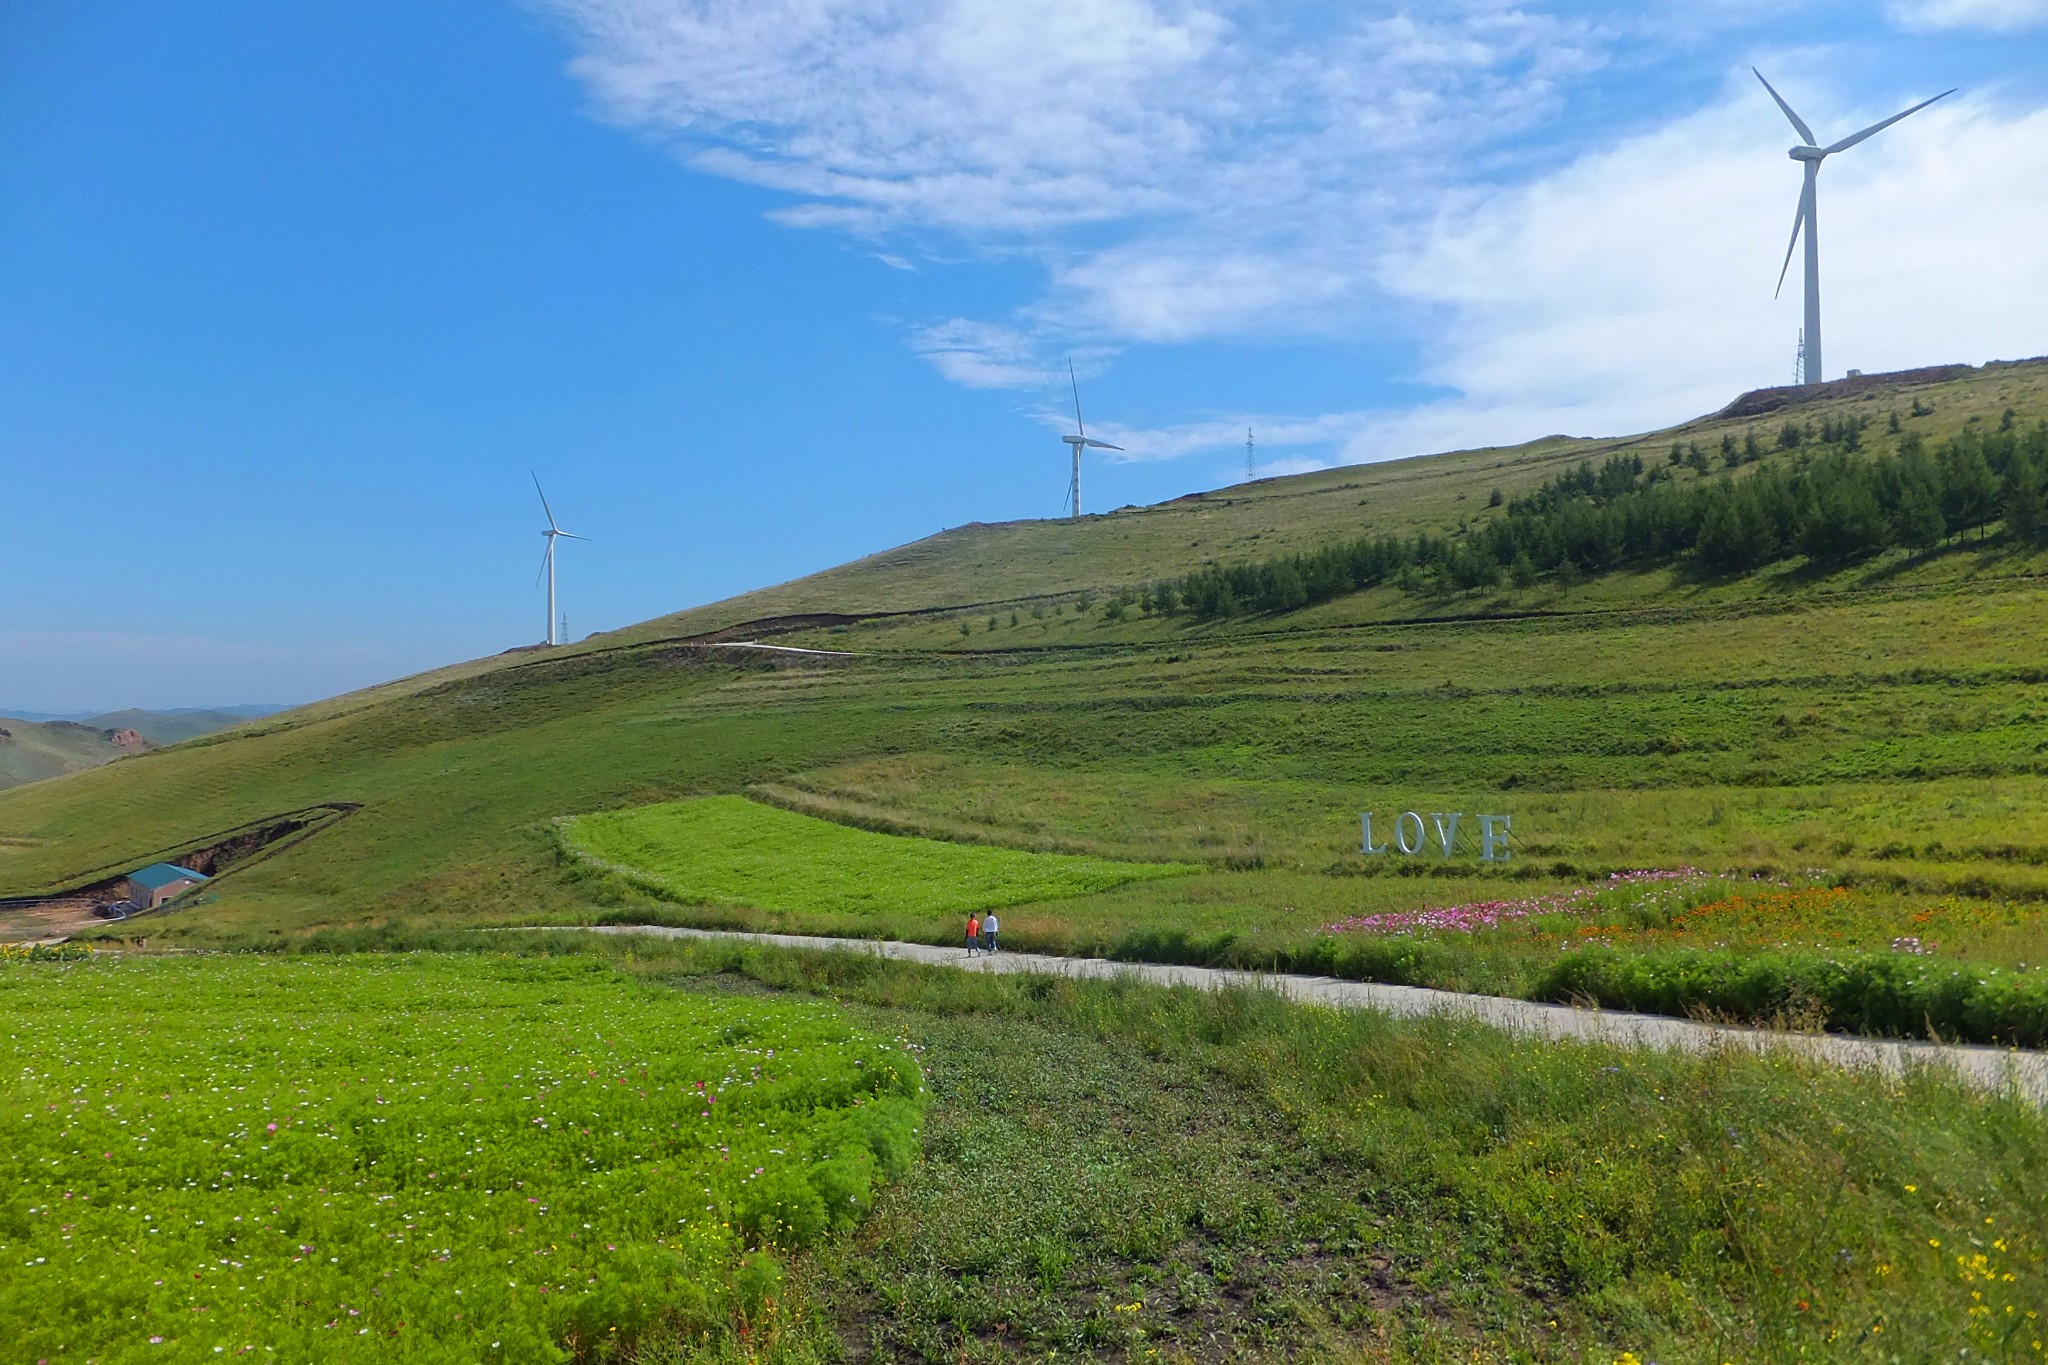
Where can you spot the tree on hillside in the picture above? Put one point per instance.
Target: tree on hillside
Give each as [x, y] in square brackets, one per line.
[1916, 518]
[1839, 518]
[2026, 518]
[1734, 536]
[1969, 490]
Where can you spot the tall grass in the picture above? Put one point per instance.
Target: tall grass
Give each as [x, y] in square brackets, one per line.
[1687, 1208]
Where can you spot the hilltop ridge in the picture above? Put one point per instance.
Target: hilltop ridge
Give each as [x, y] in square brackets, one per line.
[904, 593]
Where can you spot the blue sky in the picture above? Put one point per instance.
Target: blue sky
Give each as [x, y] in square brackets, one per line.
[293, 296]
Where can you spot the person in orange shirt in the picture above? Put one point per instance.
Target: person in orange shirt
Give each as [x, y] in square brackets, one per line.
[973, 934]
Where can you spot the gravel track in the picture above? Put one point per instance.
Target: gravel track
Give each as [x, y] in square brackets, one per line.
[1986, 1068]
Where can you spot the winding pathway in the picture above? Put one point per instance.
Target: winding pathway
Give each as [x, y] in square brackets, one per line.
[1987, 1068]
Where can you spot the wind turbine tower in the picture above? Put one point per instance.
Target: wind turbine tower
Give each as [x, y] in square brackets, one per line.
[1810, 154]
[1078, 441]
[547, 564]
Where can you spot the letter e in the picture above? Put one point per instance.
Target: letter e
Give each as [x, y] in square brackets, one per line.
[1493, 839]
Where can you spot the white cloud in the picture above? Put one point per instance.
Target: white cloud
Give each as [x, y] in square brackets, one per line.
[1191, 169]
[984, 355]
[1999, 16]
[1633, 288]
[1219, 433]
[1183, 168]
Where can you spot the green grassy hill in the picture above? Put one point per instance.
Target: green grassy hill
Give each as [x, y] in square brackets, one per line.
[1813, 793]
[1876, 725]
[32, 750]
[168, 727]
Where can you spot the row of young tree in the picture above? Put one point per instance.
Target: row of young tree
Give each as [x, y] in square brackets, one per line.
[1823, 499]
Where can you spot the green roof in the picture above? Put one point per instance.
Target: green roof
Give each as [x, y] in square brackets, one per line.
[158, 875]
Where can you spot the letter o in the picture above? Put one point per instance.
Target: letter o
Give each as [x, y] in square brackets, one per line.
[1401, 838]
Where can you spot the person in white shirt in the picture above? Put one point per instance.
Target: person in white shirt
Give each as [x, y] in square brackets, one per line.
[988, 932]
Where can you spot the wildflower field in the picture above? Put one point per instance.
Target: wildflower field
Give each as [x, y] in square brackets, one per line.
[1682, 941]
[418, 1159]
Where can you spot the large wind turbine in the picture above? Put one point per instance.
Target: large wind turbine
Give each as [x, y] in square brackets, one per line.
[553, 533]
[1811, 154]
[1079, 440]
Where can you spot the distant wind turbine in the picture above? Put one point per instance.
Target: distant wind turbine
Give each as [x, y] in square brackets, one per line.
[1812, 154]
[547, 563]
[1077, 441]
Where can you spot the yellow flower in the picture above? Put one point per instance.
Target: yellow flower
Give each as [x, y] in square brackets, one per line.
[1934, 1241]
[1912, 1189]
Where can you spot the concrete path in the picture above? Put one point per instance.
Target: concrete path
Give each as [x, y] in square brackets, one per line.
[1987, 1068]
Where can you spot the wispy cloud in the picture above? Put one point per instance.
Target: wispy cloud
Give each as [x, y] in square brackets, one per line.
[1633, 288]
[1182, 168]
[1185, 170]
[1220, 433]
[1999, 16]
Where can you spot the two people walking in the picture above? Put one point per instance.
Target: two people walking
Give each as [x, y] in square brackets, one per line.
[981, 933]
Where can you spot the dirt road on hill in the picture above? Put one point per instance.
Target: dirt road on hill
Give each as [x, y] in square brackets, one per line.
[1986, 1068]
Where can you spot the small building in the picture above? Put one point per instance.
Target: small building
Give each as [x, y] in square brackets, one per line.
[151, 886]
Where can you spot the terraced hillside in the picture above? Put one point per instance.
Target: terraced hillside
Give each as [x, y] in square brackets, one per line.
[1872, 726]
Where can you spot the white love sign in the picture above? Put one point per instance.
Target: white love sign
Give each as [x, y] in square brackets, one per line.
[1412, 836]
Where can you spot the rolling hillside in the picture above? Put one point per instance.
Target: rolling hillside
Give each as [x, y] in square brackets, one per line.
[34, 749]
[1878, 720]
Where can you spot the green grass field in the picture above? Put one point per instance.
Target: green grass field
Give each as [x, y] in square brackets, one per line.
[417, 1159]
[1111, 1171]
[1885, 738]
[728, 851]
[1854, 759]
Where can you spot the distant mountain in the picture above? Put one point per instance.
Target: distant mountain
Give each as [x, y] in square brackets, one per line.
[169, 727]
[39, 745]
[239, 713]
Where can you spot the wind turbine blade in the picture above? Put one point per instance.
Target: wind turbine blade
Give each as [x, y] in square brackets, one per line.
[1798, 222]
[1797, 122]
[567, 536]
[1079, 425]
[1875, 128]
[545, 555]
[543, 501]
[1100, 445]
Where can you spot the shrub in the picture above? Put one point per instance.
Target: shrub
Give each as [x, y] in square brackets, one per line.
[1883, 994]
